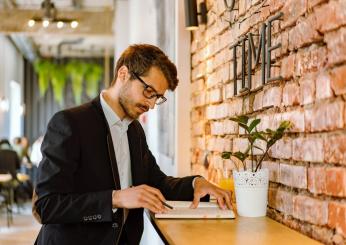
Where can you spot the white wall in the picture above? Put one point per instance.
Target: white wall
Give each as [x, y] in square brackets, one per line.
[135, 22]
[11, 68]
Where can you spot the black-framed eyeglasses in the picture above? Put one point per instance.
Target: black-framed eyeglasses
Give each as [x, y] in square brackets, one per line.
[149, 92]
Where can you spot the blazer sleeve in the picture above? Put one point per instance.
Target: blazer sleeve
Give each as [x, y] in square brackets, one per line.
[54, 199]
[172, 188]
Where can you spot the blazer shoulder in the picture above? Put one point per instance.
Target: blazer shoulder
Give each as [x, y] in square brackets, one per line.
[74, 112]
[81, 110]
[72, 116]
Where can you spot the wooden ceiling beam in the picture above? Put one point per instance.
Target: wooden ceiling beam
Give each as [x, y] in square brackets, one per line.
[90, 22]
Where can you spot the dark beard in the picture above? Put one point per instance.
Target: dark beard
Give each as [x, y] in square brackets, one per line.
[125, 105]
[128, 106]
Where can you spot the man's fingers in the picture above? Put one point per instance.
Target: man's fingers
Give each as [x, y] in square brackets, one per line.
[155, 192]
[151, 208]
[150, 200]
[221, 202]
[228, 198]
[195, 202]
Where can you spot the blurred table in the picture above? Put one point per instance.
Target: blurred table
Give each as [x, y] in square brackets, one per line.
[5, 178]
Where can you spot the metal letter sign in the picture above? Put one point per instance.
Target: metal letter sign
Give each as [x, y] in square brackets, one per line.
[264, 49]
[229, 7]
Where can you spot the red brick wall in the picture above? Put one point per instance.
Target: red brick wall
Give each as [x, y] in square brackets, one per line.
[308, 166]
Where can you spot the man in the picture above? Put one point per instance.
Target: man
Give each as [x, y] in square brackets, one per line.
[97, 173]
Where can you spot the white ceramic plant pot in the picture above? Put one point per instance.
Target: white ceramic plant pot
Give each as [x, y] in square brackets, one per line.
[251, 192]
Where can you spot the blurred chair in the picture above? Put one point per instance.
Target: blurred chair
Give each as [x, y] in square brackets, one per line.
[6, 195]
[9, 163]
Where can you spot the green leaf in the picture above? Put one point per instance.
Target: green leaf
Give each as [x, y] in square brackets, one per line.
[42, 68]
[226, 155]
[244, 126]
[253, 124]
[243, 119]
[269, 131]
[76, 70]
[259, 135]
[58, 80]
[241, 156]
[286, 124]
[278, 134]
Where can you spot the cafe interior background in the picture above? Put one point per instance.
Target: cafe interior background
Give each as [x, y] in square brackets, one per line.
[78, 41]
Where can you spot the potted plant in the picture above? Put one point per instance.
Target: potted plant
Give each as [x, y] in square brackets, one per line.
[251, 182]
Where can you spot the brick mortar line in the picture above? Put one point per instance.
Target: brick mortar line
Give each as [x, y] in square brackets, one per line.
[305, 192]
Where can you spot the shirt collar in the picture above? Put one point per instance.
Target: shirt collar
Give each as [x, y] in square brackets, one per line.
[111, 117]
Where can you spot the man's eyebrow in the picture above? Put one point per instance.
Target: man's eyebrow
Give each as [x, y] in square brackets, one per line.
[150, 86]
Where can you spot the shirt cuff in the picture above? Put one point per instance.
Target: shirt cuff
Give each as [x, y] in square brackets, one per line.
[114, 209]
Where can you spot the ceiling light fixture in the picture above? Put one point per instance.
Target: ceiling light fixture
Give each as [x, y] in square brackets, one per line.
[60, 24]
[74, 24]
[31, 23]
[45, 23]
[49, 17]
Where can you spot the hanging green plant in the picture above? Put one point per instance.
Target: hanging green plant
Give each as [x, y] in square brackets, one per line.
[58, 79]
[76, 71]
[43, 67]
[93, 75]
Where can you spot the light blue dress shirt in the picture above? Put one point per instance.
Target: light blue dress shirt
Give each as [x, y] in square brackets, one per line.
[118, 129]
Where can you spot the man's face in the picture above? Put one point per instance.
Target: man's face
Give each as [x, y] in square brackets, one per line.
[131, 97]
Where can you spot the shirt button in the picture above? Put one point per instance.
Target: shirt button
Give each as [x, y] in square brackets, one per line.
[115, 225]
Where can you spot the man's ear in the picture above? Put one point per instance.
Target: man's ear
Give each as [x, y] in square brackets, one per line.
[123, 74]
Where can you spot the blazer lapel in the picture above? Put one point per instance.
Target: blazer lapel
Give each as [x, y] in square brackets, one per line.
[111, 153]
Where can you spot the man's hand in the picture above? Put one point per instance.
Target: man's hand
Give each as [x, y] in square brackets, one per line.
[203, 187]
[142, 196]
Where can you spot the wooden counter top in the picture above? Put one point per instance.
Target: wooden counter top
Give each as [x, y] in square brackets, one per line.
[237, 231]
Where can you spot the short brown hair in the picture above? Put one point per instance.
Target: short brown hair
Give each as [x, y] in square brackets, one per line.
[139, 58]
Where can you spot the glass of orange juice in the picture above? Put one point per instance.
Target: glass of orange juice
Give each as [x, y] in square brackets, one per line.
[226, 182]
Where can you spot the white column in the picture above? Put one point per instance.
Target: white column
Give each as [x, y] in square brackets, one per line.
[183, 104]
